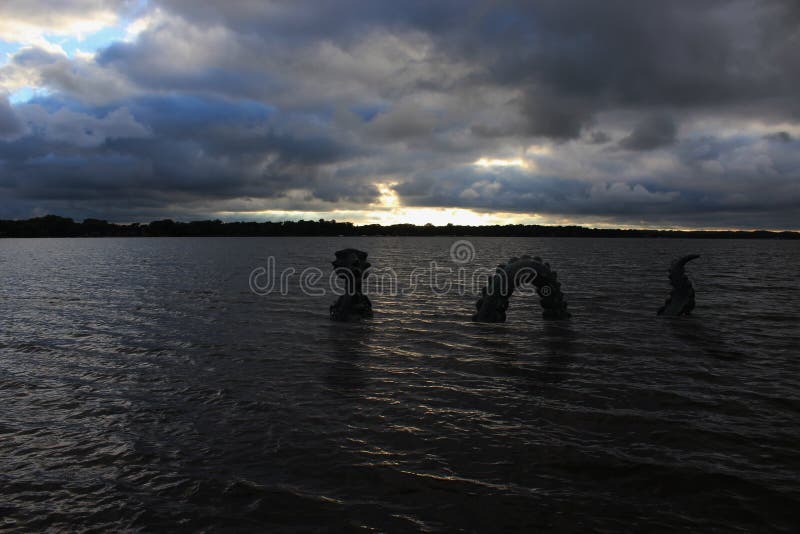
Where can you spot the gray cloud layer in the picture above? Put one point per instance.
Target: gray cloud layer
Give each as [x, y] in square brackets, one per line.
[664, 113]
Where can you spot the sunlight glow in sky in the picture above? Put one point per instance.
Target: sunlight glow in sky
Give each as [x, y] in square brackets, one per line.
[499, 162]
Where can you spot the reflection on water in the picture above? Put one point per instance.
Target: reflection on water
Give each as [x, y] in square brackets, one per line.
[144, 387]
[350, 344]
[702, 339]
[559, 339]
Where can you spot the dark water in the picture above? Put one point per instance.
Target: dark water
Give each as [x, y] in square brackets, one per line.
[143, 386]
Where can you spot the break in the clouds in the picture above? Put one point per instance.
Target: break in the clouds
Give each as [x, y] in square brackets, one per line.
[666, 114]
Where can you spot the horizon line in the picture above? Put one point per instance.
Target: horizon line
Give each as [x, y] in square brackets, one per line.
[321, 222]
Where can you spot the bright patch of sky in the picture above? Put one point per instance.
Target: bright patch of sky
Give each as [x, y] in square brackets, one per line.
[6, 49]
[26, 94]
[77, 45]
[73, 46]
[89, 44]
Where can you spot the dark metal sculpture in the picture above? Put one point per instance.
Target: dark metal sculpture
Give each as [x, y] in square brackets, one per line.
[493, 303]
[681, 298]
[351, 265]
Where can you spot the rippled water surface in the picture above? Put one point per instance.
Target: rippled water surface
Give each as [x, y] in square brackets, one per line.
[143, 386]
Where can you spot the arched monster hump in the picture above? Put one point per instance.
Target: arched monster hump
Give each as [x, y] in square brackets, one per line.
[493, 303]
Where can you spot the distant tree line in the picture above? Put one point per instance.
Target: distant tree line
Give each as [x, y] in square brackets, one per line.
[55, 226]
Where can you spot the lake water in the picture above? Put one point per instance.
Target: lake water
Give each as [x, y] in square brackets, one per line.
[144, 386]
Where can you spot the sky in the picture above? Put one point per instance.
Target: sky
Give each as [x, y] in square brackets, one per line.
[650, 114]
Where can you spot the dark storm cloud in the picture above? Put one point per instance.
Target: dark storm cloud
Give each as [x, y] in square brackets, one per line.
[606, 55]
[519, 191]
[783, 137]
[554, 116]
[674, 111]
[732, 180]
[653, 132]
[10, 125]
[341, 20]
[599, 138]
[193, 150]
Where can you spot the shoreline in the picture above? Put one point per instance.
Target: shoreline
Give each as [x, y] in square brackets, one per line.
[55, 226]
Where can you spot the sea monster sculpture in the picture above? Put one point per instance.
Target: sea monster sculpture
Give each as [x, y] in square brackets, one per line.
[493, 303]
[681, 298]
[351, 266]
